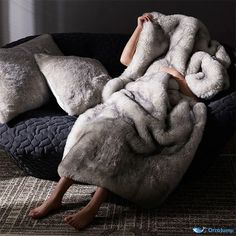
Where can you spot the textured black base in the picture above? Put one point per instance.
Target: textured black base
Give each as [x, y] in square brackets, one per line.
[36, 140]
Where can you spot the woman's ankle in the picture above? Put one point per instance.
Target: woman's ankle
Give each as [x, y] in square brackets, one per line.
[92, 208]
[55, 197]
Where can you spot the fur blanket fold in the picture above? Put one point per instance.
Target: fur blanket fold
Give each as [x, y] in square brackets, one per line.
[140, 141]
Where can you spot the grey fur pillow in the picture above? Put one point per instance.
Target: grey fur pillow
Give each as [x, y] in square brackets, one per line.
[22, 85]
[76, 82]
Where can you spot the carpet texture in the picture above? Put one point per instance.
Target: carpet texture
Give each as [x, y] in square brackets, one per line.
[207, 202]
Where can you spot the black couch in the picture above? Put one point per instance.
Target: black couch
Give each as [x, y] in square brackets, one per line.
[36, 139]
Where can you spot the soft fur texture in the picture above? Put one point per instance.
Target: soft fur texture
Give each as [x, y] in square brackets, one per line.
[22, 85]
[140, 141]
[181, 42]
[76, 82]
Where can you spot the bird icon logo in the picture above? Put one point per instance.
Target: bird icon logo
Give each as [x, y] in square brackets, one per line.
[199, 230]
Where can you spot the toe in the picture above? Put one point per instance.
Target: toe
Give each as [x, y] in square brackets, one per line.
[32, 213]
[70, 222]
[67, 218]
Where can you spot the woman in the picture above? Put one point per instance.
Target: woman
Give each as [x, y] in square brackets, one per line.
[84, 216]
[130, 48]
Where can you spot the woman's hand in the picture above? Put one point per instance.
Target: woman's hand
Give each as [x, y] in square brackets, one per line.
[130, 47]
[144, 18]
[180, 80]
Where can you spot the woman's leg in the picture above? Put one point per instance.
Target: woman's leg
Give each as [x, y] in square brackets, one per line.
[54, 201]
[84, 216]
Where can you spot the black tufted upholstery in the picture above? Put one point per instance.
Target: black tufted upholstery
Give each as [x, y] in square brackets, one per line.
[36, 139]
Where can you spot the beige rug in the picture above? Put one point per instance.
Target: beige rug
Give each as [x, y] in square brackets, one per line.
[208, 202]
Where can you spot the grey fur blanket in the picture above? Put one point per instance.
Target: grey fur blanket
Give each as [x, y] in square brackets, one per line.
[140, 141]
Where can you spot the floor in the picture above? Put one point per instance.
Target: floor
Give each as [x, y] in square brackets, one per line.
[208, 202]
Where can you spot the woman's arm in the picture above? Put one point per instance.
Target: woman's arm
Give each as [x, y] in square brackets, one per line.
[130, 47]
[180, 80]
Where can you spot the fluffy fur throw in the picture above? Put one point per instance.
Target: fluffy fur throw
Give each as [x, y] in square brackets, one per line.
[140, 141]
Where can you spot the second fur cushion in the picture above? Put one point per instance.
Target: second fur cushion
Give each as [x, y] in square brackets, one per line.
[76, 82]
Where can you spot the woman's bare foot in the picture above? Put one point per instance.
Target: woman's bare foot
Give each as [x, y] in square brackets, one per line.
[54, 201]
[82, 218]
[49, 205]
